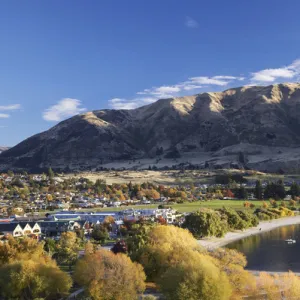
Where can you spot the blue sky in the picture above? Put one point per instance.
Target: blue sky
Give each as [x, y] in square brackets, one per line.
[59, 58]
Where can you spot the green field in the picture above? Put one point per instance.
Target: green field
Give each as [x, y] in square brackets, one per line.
[184, 207]
[190, 206]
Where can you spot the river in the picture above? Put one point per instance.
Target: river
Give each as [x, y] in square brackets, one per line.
[268, 251]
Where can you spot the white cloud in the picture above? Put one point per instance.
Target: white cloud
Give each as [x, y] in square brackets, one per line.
[272, 75]
[4, 116]
[191, 23]
[118, 103]
[10, 107]
[192, 84]
[65, 108]
[229, 77]
[295, 65]
[209, 80]
[170, 91]
[189, 87]
[167, 89]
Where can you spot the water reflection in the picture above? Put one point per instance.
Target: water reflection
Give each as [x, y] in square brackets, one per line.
[268, 251]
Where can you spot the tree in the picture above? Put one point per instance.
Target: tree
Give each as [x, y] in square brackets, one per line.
[67, 248]
[242, 193]
[109, 276]
[266, 284]
[159, 247]
[50, 173]
[50, 246]
[119, 247]
[49, 197]
[100, 233]
[27, 272]
[233, 263]
[108, 221]
[295, 190]
[258, 191]
[274, 190]
[205, 222]
[233, 219]
[290, 284]
[195, 277]
[32, 279]
[10, 173]
[17, 249]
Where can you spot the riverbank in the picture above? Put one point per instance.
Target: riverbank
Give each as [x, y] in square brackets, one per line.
[212, 243]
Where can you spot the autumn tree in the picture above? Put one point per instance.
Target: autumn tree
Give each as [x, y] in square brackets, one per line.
[268, 285]
[28, 272]
[67, 248]
[194, 277]
[290, 285]
[233, 263]
[109, 276]
[108, 222]
[160, 246]
[32, 279]
[100, 233]
[17, 249]
[119, 247]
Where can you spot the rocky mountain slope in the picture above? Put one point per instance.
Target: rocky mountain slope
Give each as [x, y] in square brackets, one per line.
[3, 148]
[251, 126]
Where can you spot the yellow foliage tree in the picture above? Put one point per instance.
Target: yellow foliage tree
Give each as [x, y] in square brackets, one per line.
[109, 276]
[31, 279]
[18, 249]
[232, 263]
[163, 246]
[195, 277]
[67, 248]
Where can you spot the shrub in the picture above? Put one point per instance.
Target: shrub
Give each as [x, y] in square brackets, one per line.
[205, 222]
[249, 218]
[233, 219]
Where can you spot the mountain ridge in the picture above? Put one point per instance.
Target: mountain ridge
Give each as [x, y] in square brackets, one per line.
[203, 124]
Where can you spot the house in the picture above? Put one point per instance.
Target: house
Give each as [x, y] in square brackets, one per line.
[20, 229]
[56, 228]
[12, 229]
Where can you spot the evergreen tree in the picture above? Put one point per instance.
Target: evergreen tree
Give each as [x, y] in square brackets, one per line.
[242, 193]
[295, 190]
[274, 190]
[258, 192]
[50, 173]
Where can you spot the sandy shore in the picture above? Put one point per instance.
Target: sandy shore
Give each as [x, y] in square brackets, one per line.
[229, 237]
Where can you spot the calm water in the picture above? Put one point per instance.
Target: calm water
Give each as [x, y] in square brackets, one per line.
[269, 251]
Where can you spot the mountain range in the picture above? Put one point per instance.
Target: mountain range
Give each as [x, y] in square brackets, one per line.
[3, 148]
[255, 127]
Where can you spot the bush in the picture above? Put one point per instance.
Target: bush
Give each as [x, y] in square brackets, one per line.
[249, 218]
[206, 222]
[234, 220]
[273, 213]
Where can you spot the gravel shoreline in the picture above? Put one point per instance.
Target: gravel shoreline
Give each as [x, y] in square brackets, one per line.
[213, 242]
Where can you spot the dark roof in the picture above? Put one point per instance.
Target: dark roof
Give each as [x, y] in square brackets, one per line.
[30, 219]
[4, 227]
[53, 225]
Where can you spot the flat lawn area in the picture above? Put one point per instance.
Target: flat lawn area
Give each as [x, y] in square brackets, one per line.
[185, 207]
[191, 206]
[214, 204]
